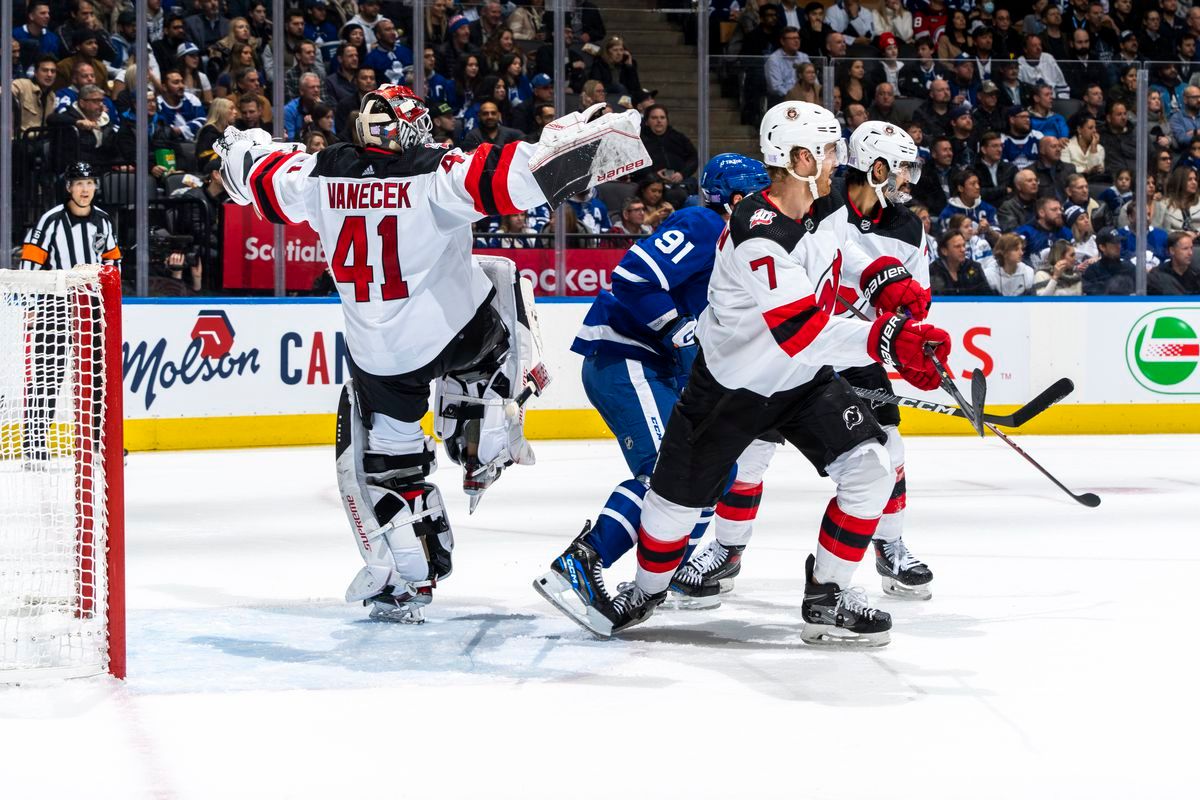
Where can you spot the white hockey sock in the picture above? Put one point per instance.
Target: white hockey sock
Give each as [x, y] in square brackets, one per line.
[736, 512]
[662, 541]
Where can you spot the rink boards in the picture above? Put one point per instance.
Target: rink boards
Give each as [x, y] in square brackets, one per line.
[234, 373]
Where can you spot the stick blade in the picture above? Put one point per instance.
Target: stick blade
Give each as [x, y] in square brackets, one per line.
[978, 395]
[1053, 394]
[1088, 499]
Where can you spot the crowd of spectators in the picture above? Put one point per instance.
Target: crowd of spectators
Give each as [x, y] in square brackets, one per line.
[1025, 115]
[487, 71]
[1023, 111]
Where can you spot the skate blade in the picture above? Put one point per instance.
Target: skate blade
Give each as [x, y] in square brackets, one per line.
[678, 601]
[726, 585]
[895, 588]
[559, 593]
[410, 615]
[832, 636]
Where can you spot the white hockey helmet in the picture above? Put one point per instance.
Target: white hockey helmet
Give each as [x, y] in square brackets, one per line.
[393, 117]
[876, 140]
[797, 124]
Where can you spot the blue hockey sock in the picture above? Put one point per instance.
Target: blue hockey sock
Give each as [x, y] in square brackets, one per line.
[698, 532]
[615, 532]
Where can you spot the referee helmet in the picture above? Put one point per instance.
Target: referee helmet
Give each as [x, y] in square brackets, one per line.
[78, 171]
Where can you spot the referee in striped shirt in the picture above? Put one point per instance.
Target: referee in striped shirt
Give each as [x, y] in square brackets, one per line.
[67, 235]
[73, 233]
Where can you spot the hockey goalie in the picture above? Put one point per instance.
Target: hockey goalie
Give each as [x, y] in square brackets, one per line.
[394, 213]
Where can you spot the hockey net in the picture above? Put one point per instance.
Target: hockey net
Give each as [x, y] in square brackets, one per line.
[61, 518]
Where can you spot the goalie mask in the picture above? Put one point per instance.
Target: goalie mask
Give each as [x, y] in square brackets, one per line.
[394, 118]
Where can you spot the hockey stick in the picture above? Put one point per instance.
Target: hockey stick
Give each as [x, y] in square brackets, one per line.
[1056, 392]
[1087, 498]
[972, 414]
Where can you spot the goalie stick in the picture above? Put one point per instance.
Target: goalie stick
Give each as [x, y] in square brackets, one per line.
[1056, 392]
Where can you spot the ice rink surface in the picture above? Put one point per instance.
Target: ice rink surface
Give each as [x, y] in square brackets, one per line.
[1056, 659]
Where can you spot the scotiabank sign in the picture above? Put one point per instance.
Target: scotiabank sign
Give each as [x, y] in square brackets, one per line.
[249, 259]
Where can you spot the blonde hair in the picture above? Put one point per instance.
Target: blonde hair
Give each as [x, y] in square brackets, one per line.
[219, 111]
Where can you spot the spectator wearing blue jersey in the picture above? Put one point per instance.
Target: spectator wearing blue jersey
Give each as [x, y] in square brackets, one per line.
[1042, 116]
[1046, 228]
[180, 106]
[512, 67]
[317, 26]
[1021, 141]
[36, 29]
[1120, 193]
[590, 211]
[1156, 238]
[388, 57]
[966, 200]
[638, 344]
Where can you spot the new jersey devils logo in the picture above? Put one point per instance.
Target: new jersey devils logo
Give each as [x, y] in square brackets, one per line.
[761, 217]
[827, 285]
[852, 417]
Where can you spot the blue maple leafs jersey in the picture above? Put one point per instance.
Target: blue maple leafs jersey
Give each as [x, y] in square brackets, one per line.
[660, 279]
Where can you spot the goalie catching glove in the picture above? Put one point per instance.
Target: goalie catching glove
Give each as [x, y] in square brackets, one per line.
[586, 148]
[901, 343]
[239, 151]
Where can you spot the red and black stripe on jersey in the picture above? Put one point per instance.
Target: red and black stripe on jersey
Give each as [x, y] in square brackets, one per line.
[656, 556]
[795, 325]
[844, 535]
[487, 179]
[740, 503]
[891, 221]
[262, 187]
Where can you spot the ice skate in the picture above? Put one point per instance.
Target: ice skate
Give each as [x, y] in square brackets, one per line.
[406, 606]
[718, 563]
[575, 585]
[903, 574]
[630, 607]
[699, 583]
[841, 617]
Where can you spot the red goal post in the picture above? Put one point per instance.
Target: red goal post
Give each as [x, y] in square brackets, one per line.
[62, 550]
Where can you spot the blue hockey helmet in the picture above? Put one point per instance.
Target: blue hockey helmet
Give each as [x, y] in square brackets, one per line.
[728, 174]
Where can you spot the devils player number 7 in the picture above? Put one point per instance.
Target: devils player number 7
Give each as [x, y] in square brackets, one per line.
[769, 263]
[352, 240]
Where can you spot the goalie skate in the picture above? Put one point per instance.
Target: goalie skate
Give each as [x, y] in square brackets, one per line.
[902, 573]
[407, 608]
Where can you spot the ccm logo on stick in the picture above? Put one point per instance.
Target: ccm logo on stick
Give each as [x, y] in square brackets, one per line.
[621, 170]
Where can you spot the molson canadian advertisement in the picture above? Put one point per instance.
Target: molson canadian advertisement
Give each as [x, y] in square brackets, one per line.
[269, 372]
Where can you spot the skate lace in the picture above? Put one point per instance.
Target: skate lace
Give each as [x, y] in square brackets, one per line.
[899, 554]
[630, 596]
[598, 579]
[712, 556]
[854, 600]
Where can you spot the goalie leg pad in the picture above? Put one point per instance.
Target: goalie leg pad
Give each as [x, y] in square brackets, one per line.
[399, 521]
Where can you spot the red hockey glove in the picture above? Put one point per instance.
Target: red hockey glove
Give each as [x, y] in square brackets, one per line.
[900, 343]
[889, 287]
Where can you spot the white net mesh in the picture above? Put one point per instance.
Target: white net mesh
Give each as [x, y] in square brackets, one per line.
[53, 520]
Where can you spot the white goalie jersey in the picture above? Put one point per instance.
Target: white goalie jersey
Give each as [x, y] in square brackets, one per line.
[396, 230]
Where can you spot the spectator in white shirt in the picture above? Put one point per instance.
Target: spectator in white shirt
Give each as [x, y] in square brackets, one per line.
[849, 17]
[1036, 66]
[1009, 276]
